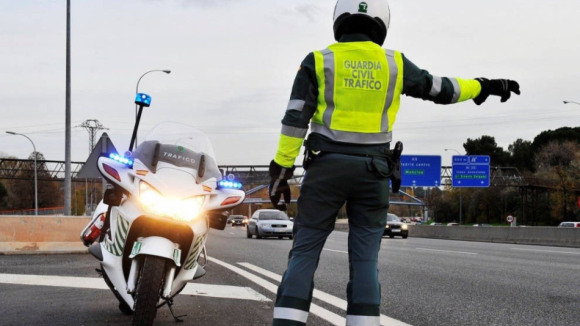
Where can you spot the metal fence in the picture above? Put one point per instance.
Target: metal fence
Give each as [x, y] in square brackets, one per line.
[51, 211]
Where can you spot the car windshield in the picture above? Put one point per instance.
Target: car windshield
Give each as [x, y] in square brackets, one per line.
[273, 216]
[179, 145]
[392, 218]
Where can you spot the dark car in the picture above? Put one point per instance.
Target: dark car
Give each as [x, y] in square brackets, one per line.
[395, 227]
[238, 220]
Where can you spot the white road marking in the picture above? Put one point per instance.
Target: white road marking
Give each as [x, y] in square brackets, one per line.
[314, 309]
[450, 251]
[344, 252]
[223, 291]
[205, 290]
[328, 298]
[59, 281]
[550, 251]
[231, 233]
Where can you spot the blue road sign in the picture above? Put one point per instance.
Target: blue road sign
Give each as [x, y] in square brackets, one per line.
[471, 171]
[420, 171]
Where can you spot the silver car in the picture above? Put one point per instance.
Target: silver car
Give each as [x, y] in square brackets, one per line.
[269, 223]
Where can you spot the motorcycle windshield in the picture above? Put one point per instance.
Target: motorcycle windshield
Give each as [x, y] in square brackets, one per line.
[180, 145]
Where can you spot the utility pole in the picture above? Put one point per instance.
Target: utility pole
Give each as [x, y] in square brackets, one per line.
[67, 142]
[92, 126]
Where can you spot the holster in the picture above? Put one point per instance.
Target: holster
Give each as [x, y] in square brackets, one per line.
[395, 165]
[308, 158]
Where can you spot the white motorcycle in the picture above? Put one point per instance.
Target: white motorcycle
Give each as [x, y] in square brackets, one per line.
[152, 224]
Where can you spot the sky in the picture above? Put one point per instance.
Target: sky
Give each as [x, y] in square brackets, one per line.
[233, 64]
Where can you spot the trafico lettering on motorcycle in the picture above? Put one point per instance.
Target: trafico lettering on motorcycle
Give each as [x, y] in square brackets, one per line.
[179, 157]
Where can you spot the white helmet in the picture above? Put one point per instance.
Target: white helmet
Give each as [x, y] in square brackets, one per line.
[370, 16]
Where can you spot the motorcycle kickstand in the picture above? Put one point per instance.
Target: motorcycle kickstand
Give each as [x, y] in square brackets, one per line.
[177, 319]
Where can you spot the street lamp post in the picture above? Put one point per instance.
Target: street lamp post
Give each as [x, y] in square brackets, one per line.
[35, 178]
[460, 193]
[137, 91]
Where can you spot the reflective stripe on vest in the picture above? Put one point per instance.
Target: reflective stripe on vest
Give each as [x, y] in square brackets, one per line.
[359, 92]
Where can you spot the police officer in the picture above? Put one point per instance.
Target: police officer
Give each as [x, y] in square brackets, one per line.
[349, 93]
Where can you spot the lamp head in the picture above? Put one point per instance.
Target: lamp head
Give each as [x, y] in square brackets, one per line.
[167, 71]
[12, 133]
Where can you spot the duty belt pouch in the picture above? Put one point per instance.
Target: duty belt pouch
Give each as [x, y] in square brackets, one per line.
[380, 167]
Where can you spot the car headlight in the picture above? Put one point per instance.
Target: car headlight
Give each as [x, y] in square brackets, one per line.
[404, 226]
[386, 227]
[181, 210]
[266, 225]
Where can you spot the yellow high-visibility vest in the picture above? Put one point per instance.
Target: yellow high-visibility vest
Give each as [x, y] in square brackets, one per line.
[359, 85]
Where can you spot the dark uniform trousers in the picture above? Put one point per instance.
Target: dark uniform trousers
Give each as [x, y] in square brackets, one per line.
[331, 181]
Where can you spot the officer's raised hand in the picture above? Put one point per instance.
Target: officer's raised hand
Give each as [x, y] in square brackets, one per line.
[497, 87]
[278, 187]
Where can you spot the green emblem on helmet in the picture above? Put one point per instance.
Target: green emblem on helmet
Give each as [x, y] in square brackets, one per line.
[180, 149]
[362, 7]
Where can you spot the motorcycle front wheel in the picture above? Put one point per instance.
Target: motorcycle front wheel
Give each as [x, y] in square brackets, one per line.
[148, 290]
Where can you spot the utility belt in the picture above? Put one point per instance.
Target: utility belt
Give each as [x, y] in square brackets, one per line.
[316, 146]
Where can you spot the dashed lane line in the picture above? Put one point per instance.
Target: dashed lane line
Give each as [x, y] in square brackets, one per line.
[314, 309]
[549, 251]
[197, 289]
[328, 298]
[448, 251]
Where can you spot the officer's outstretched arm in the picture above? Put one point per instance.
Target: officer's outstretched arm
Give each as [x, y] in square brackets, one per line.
[445, 90]
[299, 111]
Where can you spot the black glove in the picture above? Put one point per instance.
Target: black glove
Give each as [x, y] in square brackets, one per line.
[497, 87]
[279, 185]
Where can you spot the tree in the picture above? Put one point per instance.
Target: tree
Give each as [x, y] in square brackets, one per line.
[522, 155]
[21, 194]
[559, 162]
[486, 145]
[559, 135]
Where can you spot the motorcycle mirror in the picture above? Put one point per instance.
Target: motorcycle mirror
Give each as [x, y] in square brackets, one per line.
[201, 169]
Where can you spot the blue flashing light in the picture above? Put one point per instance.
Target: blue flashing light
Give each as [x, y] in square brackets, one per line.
[143, 99]
[121, 159]
[230, 184]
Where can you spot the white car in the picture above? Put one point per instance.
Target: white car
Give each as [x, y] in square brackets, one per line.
[269, 223]
[569, 225]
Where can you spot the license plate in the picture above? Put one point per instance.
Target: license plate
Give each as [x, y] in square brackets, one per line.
[396, 230]
[280, 231]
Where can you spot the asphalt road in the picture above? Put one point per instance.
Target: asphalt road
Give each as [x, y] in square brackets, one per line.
[424, 282]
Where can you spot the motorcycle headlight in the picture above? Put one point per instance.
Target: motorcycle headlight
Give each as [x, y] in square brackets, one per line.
[181, 210]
